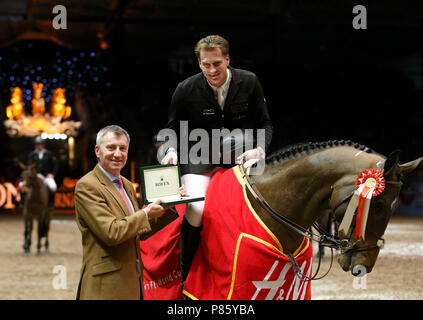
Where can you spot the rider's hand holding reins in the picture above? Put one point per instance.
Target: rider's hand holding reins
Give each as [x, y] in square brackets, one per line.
[257, 153]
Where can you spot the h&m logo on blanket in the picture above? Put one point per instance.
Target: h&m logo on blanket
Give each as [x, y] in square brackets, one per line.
[270, 275]
[277, 290]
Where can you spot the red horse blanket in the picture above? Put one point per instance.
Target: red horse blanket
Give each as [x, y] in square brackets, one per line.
[239, 257]
[160, 257]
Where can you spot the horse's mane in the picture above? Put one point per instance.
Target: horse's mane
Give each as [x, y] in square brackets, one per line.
[304, 148]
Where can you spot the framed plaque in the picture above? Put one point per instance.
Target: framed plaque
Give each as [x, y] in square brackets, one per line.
[163, 182]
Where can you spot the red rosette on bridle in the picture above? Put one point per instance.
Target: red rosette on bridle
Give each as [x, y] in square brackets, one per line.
[371, 183]
[372, 179]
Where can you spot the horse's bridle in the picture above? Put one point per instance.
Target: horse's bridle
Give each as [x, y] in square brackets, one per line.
[380, 240]
[325, 239]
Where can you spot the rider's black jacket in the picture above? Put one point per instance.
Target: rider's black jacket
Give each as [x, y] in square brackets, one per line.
[245, 108]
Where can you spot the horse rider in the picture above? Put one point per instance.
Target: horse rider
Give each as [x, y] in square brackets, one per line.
[46, 166]
[218, 97]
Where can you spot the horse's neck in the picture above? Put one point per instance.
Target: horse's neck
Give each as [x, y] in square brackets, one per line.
[36, 189]
[300, 190]
[294, 195]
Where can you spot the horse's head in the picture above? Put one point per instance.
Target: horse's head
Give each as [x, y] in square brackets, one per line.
[361, 257]
[29, 174]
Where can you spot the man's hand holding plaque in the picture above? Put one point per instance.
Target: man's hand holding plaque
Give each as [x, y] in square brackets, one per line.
[155, 210]
[164, 182]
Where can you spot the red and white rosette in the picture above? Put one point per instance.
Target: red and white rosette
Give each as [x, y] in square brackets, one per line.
[371, 178]
[370, 183]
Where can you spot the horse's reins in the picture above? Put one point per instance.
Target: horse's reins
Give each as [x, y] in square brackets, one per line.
[331, 241]
[325, 239]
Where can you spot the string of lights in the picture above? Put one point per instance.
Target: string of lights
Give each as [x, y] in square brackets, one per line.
[29, 62]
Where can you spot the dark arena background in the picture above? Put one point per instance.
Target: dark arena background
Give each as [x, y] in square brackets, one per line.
[120, 61]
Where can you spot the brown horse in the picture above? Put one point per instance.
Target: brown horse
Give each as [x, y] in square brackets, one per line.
[35, 206]
[243, 250]
[308, 181]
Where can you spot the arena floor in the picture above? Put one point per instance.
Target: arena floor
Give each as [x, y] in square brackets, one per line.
[398, 273]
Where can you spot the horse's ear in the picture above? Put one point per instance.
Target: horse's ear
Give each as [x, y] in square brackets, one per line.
[21, 165]
[391, 166]
[32, 166]
[391, 161]
[410, 166]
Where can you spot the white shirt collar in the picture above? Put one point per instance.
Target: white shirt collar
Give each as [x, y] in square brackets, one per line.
[108, 174]
[112, 178]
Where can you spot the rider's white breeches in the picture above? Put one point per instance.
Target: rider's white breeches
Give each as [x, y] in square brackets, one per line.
[49, 182]
[195, 185]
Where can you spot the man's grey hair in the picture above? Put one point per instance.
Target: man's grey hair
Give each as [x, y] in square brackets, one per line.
[112, 128]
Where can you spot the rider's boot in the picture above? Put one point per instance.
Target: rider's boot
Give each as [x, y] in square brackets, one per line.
[51, 196]
[189, 239]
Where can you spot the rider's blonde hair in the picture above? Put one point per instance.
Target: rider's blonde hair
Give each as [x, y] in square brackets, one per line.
[210, 42]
